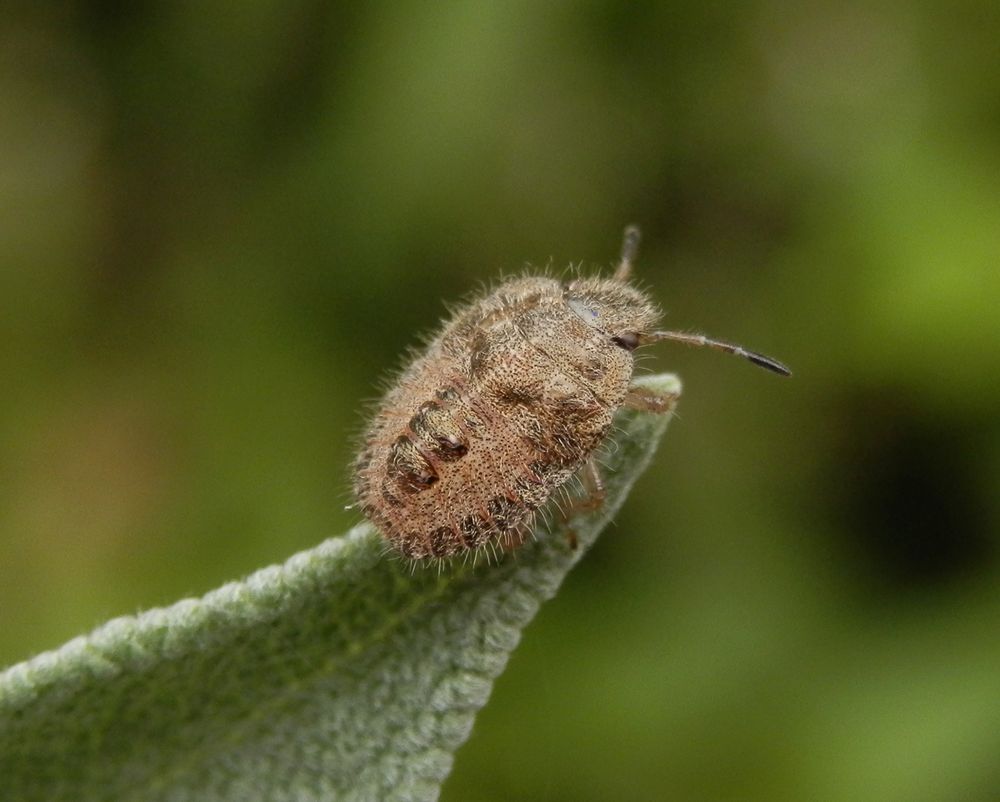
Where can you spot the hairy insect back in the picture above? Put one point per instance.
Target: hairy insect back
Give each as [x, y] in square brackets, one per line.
[498, 412]
[506, 403]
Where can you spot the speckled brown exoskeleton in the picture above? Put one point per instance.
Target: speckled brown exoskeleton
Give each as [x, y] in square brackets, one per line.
[505, 405]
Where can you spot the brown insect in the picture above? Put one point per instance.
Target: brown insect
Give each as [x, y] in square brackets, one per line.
[505, 405]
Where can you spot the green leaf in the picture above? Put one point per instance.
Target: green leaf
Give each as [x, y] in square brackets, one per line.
[344, 673]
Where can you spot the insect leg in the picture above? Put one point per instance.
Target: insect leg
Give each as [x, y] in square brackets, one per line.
[593, 486]
[647, 400]
[594, 494]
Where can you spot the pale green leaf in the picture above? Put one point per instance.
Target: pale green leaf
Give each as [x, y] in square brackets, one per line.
[342, 674]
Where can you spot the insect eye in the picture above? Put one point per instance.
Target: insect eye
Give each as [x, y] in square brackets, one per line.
[588, 314]
[629, 340]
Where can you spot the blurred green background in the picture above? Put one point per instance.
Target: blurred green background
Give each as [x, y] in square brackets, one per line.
[219, 228]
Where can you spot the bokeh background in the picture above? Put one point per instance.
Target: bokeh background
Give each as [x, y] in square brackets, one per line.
[220, 226]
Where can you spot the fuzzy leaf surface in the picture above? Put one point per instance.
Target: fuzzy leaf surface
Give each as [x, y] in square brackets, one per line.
[341, 674]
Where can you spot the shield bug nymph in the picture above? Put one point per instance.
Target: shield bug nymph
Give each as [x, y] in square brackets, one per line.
[506, 404]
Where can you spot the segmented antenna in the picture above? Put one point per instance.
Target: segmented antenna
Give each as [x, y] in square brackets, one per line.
[701, 340]
[630, 247]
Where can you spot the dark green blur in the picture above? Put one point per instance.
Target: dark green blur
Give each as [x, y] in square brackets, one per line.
[222, 224]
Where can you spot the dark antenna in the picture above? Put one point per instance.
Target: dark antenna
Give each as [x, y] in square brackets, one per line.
[701, 340]
[630, 247]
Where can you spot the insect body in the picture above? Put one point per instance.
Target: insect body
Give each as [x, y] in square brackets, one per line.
[505, 405]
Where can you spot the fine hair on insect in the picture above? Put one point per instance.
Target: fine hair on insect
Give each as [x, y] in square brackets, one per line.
[507, 402]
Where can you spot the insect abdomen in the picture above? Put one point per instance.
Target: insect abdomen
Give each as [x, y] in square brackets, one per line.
[477, 436]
